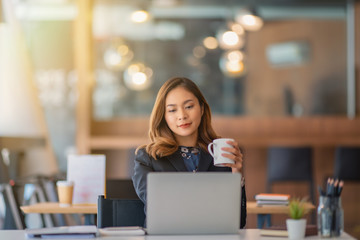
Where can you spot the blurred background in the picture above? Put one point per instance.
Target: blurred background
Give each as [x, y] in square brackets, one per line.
[81, 76]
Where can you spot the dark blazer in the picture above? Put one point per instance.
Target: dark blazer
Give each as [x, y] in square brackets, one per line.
[144, 164]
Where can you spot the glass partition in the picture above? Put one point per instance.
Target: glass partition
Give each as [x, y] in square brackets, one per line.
[295, 64]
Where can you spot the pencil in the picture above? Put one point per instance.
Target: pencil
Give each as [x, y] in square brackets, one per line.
[341, 185]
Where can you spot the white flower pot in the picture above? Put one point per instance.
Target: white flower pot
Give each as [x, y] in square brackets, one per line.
[296, 228]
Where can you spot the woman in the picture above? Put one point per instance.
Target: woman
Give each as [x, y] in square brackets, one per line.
[180, 131]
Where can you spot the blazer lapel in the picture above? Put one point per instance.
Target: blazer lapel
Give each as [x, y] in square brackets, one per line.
[177, 161]
[205, 161]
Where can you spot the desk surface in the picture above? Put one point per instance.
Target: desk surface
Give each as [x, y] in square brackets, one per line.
[248, 234]
[251, 207]
[53, 207]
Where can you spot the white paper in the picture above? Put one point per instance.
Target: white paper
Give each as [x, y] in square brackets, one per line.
[88, 174]
[124, 231]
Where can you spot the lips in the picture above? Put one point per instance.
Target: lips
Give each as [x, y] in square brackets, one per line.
[185, 125]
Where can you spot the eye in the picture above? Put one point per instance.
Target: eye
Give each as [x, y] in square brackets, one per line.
[189, 107]
[171, 110]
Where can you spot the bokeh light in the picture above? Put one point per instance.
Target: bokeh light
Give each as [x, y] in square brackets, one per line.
[210, 43]
[249, 21]
[199, 52]
[229, 39]
[140, 16]
[232, 63]
[117, 56]
[138, 76]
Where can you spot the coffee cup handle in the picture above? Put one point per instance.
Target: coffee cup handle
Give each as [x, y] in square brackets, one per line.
[210, 149]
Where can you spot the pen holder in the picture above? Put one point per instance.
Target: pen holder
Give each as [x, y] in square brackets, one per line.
[330, 216]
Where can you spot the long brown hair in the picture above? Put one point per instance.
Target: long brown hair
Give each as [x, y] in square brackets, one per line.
[162, 141]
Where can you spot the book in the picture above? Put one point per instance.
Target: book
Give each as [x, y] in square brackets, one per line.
[122, 231]
[88, 231]
[272, 197]
[270, 202]
[274, 233]
[281, 231]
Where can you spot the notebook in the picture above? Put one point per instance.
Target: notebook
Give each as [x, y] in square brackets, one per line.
[193, 203]
[73, 232]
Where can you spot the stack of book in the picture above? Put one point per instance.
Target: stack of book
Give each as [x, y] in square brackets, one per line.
[272, 199]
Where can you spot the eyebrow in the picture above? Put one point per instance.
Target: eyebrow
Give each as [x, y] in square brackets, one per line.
[185, 102]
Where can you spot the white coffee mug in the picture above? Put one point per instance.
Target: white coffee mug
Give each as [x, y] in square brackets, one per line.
[215, 151]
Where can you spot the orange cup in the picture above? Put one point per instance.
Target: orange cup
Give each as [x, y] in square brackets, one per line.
[65, 192]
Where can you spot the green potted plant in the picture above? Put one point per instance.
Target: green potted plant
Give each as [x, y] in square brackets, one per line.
[296, 224]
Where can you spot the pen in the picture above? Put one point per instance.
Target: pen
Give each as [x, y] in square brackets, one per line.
[336, 186]
[331, 192]
[328, 187]
[341, 185]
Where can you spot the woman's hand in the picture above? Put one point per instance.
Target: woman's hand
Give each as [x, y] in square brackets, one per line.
[234, 154]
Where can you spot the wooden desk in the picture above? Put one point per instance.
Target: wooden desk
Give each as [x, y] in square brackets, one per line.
[263, 212]
[54, 207]
[90, 210]
[252, 208]
[249, 234]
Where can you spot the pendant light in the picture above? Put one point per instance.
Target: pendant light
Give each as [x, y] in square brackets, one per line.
[249, 19]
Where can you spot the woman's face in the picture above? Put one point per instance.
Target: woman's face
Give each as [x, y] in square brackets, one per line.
[183, 115]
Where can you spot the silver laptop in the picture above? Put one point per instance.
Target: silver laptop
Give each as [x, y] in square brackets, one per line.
[193, 203]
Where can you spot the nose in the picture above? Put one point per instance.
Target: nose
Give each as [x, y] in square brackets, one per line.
[182, 115]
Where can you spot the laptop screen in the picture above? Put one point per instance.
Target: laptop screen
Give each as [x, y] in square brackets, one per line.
[193, 203]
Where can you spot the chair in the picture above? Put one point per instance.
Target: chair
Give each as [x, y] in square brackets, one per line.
[289, 164]
[347, 163]
[286, 164]
[14, 219]
[40, 188]
[120, 189]
[120, 212]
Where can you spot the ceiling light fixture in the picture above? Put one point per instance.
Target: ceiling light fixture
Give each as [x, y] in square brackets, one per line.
[229, 39]
[210, 43]
[140, 16]
[249, 19]
[141, 12]
[138, 76]
[232, 63]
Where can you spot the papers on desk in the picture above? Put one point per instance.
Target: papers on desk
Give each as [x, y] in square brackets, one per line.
[82, 232]
[122, 231]
[272, 199]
